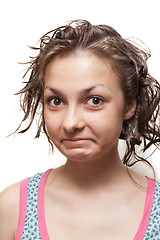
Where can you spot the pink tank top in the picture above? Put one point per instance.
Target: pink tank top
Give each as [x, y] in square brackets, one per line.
[32, 223]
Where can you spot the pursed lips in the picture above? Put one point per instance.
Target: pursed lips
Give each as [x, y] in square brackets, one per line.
[76, 141]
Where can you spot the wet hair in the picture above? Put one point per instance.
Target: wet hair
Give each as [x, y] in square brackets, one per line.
[127, 59]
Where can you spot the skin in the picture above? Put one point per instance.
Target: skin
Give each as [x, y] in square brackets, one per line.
[84, 109]
[70, 110]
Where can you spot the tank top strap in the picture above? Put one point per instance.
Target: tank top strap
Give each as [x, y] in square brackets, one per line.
[149, 227]
[147, 210]
[30, 193]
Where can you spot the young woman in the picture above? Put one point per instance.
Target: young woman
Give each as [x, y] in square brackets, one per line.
[90, 87]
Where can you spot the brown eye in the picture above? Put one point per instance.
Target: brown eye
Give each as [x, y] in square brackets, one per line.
[55, 102]
[95, 101]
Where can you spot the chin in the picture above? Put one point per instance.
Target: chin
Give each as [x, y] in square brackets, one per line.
[78, 155]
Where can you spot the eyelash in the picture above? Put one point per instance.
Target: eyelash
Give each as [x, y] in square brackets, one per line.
[90, 98]
[52, 99]
[97, 98]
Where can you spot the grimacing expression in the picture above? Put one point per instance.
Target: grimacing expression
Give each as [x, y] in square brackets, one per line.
[84, 106]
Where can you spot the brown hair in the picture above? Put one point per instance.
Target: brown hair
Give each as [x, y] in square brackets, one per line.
[128, 61]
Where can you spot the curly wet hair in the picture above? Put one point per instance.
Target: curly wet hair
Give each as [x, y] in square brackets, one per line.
[127, 59]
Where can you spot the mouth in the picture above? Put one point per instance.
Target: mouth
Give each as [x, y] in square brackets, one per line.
[75, 141]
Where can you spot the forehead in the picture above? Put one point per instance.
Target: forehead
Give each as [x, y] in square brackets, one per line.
[80, 69]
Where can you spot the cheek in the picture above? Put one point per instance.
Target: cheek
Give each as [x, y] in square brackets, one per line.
[108, 125]
[52, 123]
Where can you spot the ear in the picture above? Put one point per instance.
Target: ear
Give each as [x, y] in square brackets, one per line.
[130, 108]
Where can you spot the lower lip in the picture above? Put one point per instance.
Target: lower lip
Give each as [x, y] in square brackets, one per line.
[76, 142]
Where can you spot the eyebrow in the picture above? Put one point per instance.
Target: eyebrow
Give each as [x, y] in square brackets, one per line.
[87, 90]
[56, 91]
[83, 92]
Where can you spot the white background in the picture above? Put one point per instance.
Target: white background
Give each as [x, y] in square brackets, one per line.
[22, 23]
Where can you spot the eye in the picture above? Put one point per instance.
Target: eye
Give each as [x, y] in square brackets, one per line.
[55, 102]
[95, 101]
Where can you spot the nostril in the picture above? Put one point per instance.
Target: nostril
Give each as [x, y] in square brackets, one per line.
[72, 125]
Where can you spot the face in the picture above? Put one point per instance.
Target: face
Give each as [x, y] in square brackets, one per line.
[84, 106]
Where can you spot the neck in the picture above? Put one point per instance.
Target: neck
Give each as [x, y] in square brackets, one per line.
[105, 170]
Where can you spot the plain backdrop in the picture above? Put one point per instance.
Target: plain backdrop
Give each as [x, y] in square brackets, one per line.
[22, 23]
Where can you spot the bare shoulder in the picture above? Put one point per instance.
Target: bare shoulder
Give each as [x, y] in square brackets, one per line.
[9, 211]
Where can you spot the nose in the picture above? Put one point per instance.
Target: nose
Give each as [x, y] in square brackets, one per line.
[73, 119]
